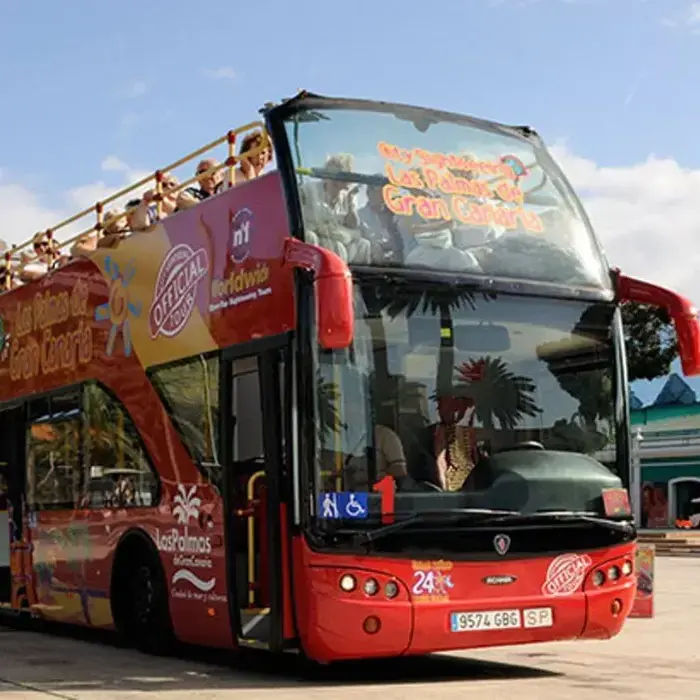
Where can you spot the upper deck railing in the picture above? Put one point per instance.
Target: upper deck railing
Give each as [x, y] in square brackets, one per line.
[11, 265]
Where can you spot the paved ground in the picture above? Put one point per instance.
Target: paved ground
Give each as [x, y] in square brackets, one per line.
[657, 658]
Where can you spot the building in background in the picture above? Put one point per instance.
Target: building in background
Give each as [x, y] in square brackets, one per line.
[666, 456]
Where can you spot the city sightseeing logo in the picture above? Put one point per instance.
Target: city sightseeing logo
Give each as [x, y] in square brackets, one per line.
[188, 550]
[176, 289]
[242, 283]
[565, 574]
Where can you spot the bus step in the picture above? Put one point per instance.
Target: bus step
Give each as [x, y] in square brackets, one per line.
[255, 625]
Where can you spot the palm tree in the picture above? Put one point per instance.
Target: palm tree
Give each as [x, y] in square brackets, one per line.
[440, 301]
[495, 392]
[328, 398]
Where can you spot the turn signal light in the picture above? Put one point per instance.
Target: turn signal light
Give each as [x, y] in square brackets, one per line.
[348, 583]
[616, 607]
[391, 590]
[613, 573]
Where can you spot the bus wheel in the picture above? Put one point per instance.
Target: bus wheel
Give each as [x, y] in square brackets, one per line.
[141, 612]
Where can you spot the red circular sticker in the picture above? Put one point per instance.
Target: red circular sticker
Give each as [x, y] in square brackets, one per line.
[565, 574]
[176, 289]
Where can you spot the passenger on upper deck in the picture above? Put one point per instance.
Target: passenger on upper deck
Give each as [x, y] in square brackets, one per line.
[251, 167]
[379, 227]
[8, 270]
[85, 245]
[331, 214]
[45, 255]
[114, 228]
[144, 215]
[209, 185]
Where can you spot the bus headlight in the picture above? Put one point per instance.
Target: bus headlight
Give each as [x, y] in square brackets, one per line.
[627, 568]
[598, 578]
[613, 573]
[348, 583]
[371, 586]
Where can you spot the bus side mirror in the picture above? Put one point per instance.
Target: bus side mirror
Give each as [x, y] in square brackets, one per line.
[681, 311]
[335, 315]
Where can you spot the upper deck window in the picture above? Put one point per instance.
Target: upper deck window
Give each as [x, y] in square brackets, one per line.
[408, 187]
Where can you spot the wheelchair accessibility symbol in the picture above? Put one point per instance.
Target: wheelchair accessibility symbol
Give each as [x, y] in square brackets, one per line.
[354, 509]
[343, 505]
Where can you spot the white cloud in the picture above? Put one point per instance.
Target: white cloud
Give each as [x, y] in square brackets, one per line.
[693, 16]
[221, 73]
[113, 164]
[687, 17]
[647, 216]
[23, 212]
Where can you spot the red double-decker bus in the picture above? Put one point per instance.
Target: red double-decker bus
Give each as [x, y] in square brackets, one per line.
[370, 403]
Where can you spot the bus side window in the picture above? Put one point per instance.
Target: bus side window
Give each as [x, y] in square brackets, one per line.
[190, 392]
[247, 411]
[117, 471]
[3, 487]
[53, 471]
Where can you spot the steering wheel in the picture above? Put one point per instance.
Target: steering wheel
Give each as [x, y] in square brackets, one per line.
[430, 485]
[527, 445]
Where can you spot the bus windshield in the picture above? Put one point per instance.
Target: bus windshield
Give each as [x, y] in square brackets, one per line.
[406, 187]
[468, 401]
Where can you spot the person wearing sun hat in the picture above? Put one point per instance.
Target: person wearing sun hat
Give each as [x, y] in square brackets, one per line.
[114, 228]
[46, 253]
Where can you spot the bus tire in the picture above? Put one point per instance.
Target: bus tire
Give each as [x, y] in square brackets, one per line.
[140, 598]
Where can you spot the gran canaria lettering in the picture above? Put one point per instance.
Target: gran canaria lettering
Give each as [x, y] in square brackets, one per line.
[460, 208]
[449, 187]
[51, 333]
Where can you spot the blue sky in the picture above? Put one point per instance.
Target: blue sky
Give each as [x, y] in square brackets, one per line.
[82, 80]
[94, 93]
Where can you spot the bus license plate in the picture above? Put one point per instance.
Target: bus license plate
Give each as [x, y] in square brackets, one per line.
[485, 620]
[537, 617]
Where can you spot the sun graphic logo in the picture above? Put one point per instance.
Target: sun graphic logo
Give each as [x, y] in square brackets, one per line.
[119, 307]
[186, 504]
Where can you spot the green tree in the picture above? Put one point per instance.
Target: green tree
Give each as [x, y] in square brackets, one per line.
[650, 340]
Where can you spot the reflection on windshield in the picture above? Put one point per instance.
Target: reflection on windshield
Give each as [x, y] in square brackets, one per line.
[377, 191]
[441, 388]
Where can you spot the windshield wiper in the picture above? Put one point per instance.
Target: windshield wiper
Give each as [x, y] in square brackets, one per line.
[564, 516]
[430, 515]
[490, 516]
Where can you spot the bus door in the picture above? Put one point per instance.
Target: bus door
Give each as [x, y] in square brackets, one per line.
[253, 458]
[4, 534]
[15, 564]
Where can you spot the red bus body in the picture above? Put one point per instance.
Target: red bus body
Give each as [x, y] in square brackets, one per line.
[187, 289]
